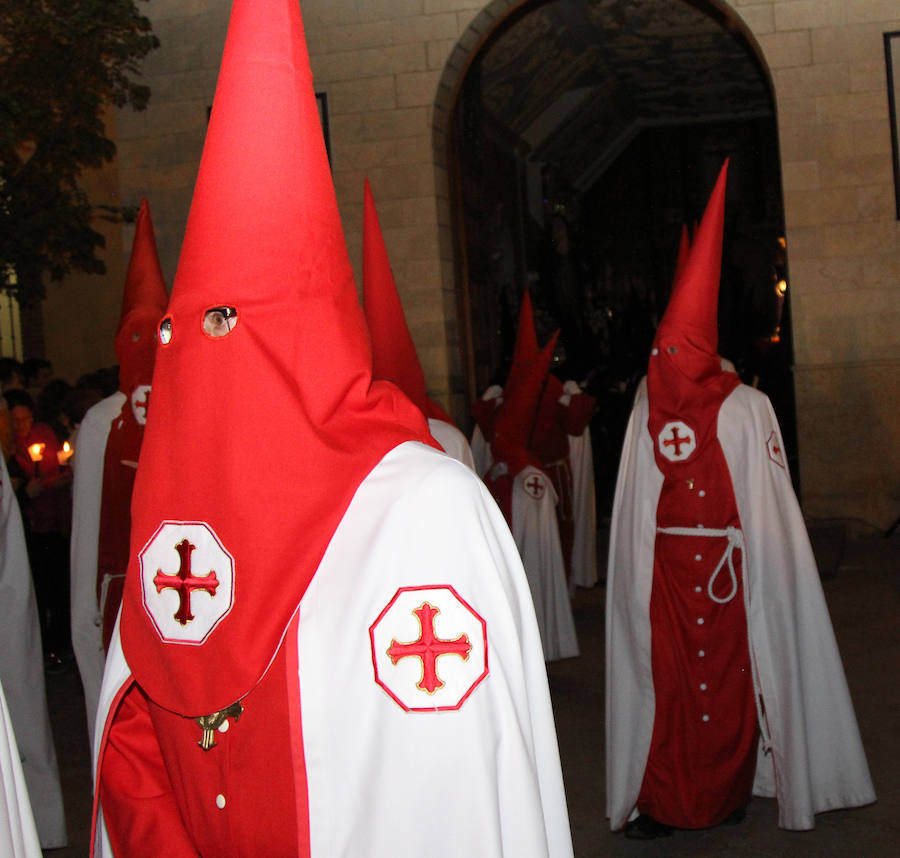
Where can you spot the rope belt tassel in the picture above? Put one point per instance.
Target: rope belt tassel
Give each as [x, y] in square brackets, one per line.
[735, 540]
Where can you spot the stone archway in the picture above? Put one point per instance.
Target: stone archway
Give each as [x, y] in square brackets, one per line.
[486, 28]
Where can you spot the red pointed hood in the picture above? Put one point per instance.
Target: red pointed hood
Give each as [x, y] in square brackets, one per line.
[394, 356]
[257, 439]
[526, 348]
[687, 337]
[684, 375]
[515, 418]
[143, 303]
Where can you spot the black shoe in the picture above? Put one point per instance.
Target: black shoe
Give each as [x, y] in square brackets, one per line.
[646, 828]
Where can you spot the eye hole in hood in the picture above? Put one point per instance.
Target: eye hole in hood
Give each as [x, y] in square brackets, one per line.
[165, 330]
[219, 321]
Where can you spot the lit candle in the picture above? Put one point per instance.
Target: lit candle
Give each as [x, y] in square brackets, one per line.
[63, 456]
[36, 452]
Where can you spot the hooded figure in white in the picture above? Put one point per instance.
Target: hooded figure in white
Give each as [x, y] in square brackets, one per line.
[326, 644]
[723, 675]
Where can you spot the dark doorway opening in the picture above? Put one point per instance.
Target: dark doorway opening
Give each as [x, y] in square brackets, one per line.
[579, 193]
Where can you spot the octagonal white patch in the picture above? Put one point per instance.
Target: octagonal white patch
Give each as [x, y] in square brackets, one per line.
[140, 402]
[775, 450]
[429, 649]
[187, 581]
[677, 441]
[535, 485]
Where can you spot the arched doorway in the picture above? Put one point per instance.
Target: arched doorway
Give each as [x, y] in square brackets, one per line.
[578, 137]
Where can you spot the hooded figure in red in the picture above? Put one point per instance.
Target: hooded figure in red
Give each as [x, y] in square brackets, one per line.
[717, 632]
[525, 350]
[143, 304]
[394, 356]
[514, 422]
[698, 772]
[293, 530]
[526, 495]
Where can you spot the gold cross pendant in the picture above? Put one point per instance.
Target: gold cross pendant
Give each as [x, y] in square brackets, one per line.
[210, 723]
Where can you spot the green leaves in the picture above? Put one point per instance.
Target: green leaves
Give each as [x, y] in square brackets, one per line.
[62, 63]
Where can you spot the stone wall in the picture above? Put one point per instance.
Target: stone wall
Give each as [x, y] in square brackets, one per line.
[390, 68]
[827, 64]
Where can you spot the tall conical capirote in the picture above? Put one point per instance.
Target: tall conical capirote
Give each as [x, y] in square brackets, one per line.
[691, 315]
[144, 300]
[394, 355]
[685, 381]
[264, 418]
[515, 417]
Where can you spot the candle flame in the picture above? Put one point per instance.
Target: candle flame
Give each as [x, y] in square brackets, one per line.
[36, 452]
[64, 453]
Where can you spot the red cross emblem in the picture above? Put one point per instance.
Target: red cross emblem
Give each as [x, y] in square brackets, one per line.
[140, 402]
[436, 622]
[185, 582]
[186, 607]
[776, 453]
[677, 441]
[429, 647]
[535, 486]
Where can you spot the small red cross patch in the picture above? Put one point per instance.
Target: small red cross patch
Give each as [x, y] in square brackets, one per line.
[429, 649]
[535, 485]
[677, 441]
[140, 402]
[776, 451]
[187, 581]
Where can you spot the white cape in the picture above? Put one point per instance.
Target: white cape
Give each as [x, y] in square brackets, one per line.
[18, 834]
[453, 442]
[22, 672]
[816, 760]
[481, 448]
[87, 487]
[584, 503]
[536, 533]
[481, 778]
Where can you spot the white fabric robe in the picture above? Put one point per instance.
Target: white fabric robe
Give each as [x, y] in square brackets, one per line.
[811, 756]
[18, 834]
[482, 779]
[453, 441]
[584, 503]
[22, 672]
[481, 448]
[536, 533]
[87, 487]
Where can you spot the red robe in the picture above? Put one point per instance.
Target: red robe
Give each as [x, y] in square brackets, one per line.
[703, 751]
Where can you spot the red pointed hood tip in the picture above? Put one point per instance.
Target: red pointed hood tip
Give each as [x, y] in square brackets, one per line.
[284, 374]
[526, 348]
[394, 355]
[144, 301]
[689, 326]
[515, 418]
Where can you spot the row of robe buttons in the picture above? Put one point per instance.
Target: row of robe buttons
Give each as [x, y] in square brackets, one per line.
[701, 653]
[220, 799]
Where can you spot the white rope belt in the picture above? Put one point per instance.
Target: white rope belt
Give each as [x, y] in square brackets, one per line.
[735, 540]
